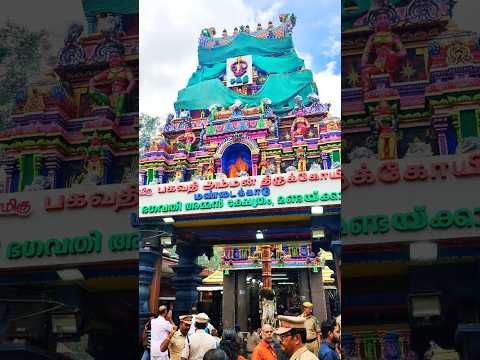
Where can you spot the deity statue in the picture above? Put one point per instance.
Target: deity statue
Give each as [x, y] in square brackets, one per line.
[178, 175]
[39, 182]
[34, 101]
[386, 125]
[263, 165]
[267, 168]
[186, 140]
[315, 106]
[236, 109]
[301, 158]
[238, 168]
[315, 167]
[300, 127]
[122, 82]
[91, 174]
[209, 171]
[418, 149]
[197, 174]
[383, 50]
[291, 168]
[130, 174]
[361, 153]
[468, 144]
[266, 108]
[159, 143]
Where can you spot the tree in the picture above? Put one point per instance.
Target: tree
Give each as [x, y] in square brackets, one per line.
[22, 53]
[148, 128]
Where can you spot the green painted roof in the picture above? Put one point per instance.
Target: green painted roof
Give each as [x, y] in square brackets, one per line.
[125, 7]
[275, 56]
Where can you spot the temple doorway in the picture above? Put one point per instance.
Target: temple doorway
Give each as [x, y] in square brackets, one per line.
[285, 283]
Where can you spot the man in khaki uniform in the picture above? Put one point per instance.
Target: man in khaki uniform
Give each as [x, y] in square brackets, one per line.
[175, 341]
[200, 342]
[312, 327]
[293, 337]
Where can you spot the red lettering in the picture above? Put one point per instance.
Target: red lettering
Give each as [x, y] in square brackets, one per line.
[279, 181]
[209, 185]
[48, 206]
[389, 172]
[440, 169]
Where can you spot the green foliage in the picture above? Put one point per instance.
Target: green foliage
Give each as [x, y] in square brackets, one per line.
[148, 128]
[22, 52]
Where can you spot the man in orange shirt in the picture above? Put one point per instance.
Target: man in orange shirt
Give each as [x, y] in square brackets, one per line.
[264, 350]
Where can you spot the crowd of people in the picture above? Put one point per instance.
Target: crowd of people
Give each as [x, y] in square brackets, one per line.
[296, 338]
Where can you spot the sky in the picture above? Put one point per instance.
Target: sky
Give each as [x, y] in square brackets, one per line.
[169, 32]
[52, 15]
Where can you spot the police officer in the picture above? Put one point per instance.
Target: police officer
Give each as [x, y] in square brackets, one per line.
[293, 337]
[312, 326]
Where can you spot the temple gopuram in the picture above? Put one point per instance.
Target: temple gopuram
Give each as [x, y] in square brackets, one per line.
[249, 162]
[411, 127]
[68, 192]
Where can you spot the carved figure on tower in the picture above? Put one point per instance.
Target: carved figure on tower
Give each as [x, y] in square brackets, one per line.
[384, 50]
[159, 143]
[300, 127]
[386, 125]
[121, 81]
[209, 172]
[263, 165]
[301, 158]
[187, 139]
[94, 167]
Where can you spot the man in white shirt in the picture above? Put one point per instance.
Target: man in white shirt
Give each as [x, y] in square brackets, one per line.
[160, 330]
[200, 342]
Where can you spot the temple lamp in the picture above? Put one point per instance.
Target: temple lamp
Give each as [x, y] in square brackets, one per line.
[318, 233]
[425, 307]
[423, 251]
[65, 324]
[259, 235]
[162, 237]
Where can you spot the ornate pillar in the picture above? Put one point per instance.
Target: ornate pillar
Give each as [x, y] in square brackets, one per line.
[278, 162]
[255, 159]
[228, 301]
[148, 257]
[142, 174]
[267, 266]
[440, 124]
[159, 175]
[303, 290]
[218, 166]
[107, 167]
[242, 302]
[358, 346]
[317, 292]
[53, 165]
[336, 248]
[10, 167]
[186, 279]
[325, 157]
